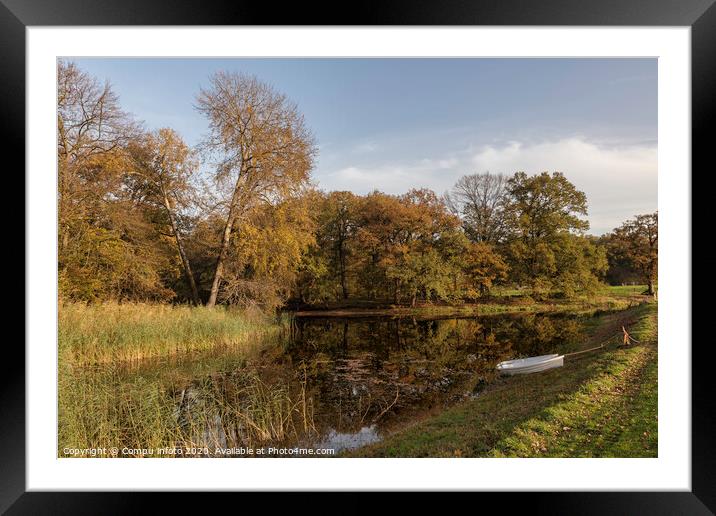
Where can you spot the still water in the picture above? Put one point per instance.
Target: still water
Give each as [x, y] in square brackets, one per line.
[338, 383]
[369, 375]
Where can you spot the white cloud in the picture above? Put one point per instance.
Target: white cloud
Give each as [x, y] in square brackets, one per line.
[620, 181]
[386, 178]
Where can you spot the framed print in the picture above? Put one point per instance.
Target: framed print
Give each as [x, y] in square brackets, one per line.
[420, 252]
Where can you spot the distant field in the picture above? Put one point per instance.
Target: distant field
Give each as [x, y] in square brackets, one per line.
[613, 290]
[626, 290]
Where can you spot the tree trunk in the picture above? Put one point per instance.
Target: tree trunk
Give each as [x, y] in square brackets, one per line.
[219, 270]
[62, 203]
[182, 253]
[187, 271]
[650, 290]
[342, 265]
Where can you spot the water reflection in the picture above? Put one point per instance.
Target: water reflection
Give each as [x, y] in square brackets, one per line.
[340, 441]
[381, 371]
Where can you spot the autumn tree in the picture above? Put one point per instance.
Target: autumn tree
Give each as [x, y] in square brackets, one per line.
[483, 267]
[479, 200]
[380, 236]
[405, 242]
[261, 147]
[163, 166]
[546, 233]
[432, 239]
[108, 247]
[266, 252]
[91, 129]
[580, 264]
[636, 242]
[337, 225]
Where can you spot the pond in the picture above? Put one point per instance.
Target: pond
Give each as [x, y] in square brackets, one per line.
[333, 383]
[370, 374]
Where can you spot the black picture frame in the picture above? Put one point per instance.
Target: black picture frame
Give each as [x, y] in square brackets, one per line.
[700, 15]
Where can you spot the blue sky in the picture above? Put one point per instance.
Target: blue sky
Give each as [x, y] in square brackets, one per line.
[393, 124]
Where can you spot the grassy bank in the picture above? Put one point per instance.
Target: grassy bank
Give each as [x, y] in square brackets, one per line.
[598, 405]
[609, 298]
[112, 332]
[576, 307]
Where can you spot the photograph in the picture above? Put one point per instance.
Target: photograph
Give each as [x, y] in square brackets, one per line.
[421, 240]
[279, 257]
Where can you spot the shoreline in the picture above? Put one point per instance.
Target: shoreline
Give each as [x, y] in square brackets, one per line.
[574, 306]
[563, 410]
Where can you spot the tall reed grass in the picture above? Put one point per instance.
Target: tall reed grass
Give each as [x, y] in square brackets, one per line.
[105, 407]
[113, 394]
[112, 332]
[100, 408]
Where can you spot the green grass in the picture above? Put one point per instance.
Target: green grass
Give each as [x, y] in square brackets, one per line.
[626, 290]
[598, 405]
[503, 301]
[112, 332]
[614, 290]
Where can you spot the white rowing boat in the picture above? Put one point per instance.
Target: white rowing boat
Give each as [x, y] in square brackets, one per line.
[531, 364]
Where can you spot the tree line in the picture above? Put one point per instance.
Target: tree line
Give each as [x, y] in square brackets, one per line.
[236, 219]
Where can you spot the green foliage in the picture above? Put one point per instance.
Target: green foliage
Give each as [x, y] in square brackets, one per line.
[635, 244]
[543, 205]
[423, 274]
[330, 263]
[580, 265]
[546, 249]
